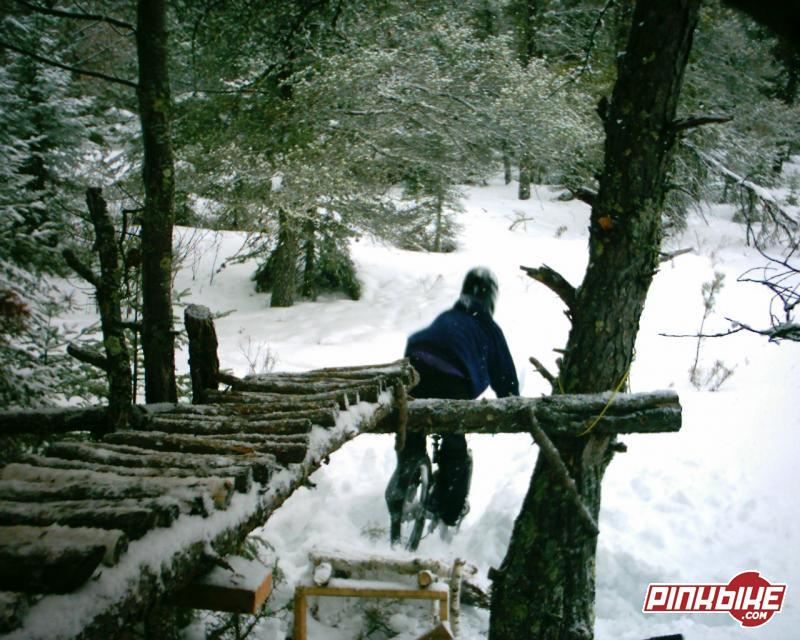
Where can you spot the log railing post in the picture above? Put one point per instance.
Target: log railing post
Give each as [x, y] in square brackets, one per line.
[203, 360]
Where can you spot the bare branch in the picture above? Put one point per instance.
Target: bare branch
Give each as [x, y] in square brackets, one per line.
[61, 13]
[74, 262]
[584, 194]
[556, 283]
[783, 331]
[663, 256]
[89, 356]
[544, 372]
[698, 121]
[66, 67]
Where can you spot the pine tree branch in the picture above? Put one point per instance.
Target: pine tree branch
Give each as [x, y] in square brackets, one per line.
[66, 67]
[74, 262]
[61, 13]
[556, 283]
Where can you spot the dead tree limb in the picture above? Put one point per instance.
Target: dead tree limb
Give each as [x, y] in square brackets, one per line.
[584, 194]
[557, 283]
[549, 451]
[664, 256]
[88, 356]
[544, 372]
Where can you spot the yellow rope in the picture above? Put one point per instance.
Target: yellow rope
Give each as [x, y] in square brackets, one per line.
[608, 404]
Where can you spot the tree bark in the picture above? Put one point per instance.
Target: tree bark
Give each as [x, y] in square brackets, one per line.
[525, 170]
[109, 291]
[284, 278]
[203, 359]
[155, 104]
[545, 586]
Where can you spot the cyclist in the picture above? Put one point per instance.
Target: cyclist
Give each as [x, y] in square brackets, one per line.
[460, 354]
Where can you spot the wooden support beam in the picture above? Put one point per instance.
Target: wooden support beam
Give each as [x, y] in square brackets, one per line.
[339, 588]
[241, 587]
[203, 359]
[557, 415]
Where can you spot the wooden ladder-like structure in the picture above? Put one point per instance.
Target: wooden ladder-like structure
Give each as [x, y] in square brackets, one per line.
[92, 533]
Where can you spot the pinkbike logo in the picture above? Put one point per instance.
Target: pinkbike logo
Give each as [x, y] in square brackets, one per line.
[749, 598]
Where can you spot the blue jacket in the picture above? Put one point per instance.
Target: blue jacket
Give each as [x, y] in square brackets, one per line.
[470, 341]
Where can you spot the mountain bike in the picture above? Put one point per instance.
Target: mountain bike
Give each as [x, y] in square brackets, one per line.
[419, 501]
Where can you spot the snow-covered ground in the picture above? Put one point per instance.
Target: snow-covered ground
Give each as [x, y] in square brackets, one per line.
[702, 505]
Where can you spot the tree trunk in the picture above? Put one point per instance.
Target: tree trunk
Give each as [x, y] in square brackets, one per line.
[439, 231]
[109, 289]
[310, 266]
[284, 277]
[545, 587]
[524, 192]
[158, 339]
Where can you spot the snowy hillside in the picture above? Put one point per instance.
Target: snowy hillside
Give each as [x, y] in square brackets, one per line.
[702, 505]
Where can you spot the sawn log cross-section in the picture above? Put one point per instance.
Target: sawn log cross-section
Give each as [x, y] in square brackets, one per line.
[94, 533]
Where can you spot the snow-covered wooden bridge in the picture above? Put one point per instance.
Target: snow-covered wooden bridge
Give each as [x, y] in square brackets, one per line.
[93, 533]
[96, 533]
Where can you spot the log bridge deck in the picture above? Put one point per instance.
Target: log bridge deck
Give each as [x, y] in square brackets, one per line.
[93, 534]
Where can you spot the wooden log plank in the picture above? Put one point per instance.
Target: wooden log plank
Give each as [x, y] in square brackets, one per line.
[243, 471]
[324, 415]
[302, 388]
[134, 517]
[43, 484]
[223, 425]
[45, 564]
[104, 618]
[13, 607]
[56, 420]
[284, 453]
[283, 402]
[347, 565]
[114, 541]
[559, 415]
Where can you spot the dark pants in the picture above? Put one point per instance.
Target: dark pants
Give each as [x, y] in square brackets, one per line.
[455, 466]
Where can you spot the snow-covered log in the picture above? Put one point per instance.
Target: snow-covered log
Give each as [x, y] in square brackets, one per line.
[46, 543]
[159, 441]
[232, 425]
[134, 517]
[160, 464]
[557, 415]
[22, 482]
